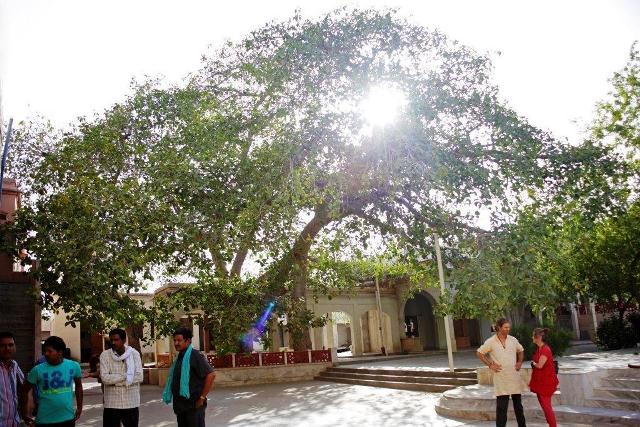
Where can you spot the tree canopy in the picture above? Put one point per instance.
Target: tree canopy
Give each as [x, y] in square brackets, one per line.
[575, 240]
[236, 174]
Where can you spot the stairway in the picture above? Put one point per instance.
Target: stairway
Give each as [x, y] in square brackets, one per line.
[618, 390]
[416, 380]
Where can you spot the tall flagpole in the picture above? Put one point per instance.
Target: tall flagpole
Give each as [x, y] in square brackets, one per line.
[447, 318]
[1, 116]
[4, 158]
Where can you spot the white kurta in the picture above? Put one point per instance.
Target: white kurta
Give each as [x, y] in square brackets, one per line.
[117, 394]
[508, 380]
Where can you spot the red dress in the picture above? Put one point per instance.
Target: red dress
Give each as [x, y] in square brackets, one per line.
[544, 381]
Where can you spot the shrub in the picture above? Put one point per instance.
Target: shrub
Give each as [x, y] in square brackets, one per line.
[614, 333]
[558, 339]
[523, 333]
[634, 321]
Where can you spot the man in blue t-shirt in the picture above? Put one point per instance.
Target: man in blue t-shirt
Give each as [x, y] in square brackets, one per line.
[54, 380]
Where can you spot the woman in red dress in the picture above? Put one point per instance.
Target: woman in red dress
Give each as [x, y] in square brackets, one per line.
[544, 380]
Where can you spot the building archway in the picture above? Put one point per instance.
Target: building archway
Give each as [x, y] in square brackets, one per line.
[420, 322]
[338, 333]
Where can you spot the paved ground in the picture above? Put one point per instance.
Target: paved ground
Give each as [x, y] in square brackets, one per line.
[578, 356]
[461, 359]
[313, 403]
[305, 404]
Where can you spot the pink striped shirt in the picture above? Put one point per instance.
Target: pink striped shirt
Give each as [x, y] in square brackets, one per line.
[10, 377]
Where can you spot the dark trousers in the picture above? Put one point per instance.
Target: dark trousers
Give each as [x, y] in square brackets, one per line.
[70, 423]
[191, 418]
[502, 405]
[113, 417]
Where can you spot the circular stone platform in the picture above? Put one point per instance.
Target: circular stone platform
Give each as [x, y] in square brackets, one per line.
[477, 402]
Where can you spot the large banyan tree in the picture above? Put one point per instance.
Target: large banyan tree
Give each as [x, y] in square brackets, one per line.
[233, 176]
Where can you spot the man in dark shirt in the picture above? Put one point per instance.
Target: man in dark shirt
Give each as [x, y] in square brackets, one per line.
[190, 411]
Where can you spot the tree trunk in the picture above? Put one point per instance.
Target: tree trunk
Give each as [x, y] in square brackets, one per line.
[517, 316]
[294, 265]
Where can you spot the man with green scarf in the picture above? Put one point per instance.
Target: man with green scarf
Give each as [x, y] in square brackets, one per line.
[189, 381]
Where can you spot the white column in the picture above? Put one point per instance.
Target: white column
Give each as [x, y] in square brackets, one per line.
[325, 338]
[592, 307]
[319, 337]
[195, 342]
[336, 336]
[285, 339]
[574, 320]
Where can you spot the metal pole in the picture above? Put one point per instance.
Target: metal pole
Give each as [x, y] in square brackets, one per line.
[379, 303]
[4, 157]
[447, 330]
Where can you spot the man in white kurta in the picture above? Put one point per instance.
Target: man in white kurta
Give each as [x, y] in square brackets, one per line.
[503, 354]
[121, 375]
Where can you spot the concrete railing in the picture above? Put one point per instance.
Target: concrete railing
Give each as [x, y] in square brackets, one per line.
[283, 358]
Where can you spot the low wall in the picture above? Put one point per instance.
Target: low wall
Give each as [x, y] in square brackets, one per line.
[230, 377]
[576, 385]
[257, 368]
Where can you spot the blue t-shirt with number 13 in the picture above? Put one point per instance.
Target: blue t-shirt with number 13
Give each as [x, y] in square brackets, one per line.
[55, 388]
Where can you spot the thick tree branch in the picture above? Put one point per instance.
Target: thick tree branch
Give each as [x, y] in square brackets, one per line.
[218, 261]
[294, 265]
[241, 255]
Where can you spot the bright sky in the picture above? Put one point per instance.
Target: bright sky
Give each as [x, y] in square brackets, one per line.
[65, 59]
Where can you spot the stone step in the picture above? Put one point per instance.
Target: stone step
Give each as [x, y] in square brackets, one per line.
[631, 383]
[481, 398]
[404, 378]
[435, 388]
[616, 393]
[630, 373]
[615, 403]
[459, 373]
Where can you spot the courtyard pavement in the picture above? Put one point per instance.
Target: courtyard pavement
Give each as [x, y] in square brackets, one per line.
[577, 356]
[313, 403]
[461, 359]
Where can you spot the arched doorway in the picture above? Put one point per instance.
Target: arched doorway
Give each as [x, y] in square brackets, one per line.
[338, 333]
[420, 322]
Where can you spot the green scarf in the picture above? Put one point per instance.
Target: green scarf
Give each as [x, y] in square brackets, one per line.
[167, 394]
